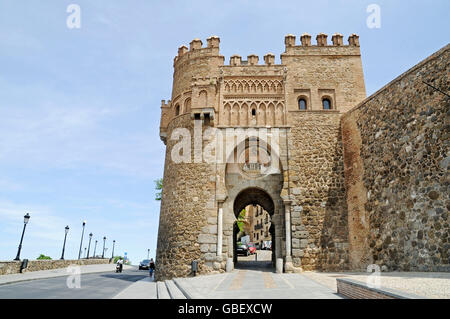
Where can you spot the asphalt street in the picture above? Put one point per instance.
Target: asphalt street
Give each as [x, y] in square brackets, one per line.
[92, 286]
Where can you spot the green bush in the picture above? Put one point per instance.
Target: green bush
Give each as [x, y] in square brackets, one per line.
[43, 257]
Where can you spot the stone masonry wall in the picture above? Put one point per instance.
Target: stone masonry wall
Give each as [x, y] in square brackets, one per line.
[13, 267]
[316, 177]
[188, 218]
[397, 156]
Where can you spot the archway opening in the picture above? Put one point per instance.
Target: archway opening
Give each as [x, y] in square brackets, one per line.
[253, 230]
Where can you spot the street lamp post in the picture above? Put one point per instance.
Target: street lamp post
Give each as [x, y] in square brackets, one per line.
[95, 247]
[81, 243]
[148, 253]
[85, 252]
[26, 218]
[65, 236]
[112, 255]
[89, 246]
[104, 241]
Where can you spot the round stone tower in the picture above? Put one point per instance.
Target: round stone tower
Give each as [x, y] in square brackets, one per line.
[189, 183]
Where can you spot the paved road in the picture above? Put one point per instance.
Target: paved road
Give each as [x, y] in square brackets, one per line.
[93, 286]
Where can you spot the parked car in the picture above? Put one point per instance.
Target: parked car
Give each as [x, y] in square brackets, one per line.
[252, 248]
[145, 264]
[242, 250]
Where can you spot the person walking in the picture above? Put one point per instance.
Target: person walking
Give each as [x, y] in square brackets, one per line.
[151, 267]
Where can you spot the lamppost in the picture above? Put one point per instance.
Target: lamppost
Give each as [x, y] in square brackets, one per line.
[95, 248]
[85, 252]
[148, 253]
[112, 255]
[26, 218]
[104, 241]
[89, 246]
[81, 243]
[64, 246]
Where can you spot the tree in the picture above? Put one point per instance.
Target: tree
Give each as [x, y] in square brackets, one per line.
[241, 220]
[158, 187]
[43, 257]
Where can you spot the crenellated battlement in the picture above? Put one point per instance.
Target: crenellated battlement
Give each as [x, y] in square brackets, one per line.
[321, 40]
[337, 46]
[196, 49]
[252, 60]
[324, 76]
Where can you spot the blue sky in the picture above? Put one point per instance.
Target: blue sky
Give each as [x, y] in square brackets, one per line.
[79, 108]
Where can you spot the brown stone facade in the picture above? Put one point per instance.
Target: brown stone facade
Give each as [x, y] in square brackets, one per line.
[397, 157]
[344, 187]
[316, 179]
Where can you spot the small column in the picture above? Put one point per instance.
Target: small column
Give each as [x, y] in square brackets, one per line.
[219, 230]
[289, 40]
[235, 60]
[269, 59]
[321, 39]
[252, 59]
[305, 38]
[287, 218]
[195, 44]
[288, 266]
[337, 39]
[220, 201]
[353, 40]
[213, 41]
[182, 50]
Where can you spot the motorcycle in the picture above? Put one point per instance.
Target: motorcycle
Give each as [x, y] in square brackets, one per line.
[119, 267]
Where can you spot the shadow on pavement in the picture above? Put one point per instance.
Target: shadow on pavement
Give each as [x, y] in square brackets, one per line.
[126, 277]
[265, 266]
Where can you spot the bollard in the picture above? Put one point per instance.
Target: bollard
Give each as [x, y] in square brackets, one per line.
[279, 266]
[256, 256]
[23, 265]
[230, 265]
[194, 267]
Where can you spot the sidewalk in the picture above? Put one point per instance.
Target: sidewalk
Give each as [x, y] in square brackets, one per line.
[239, 284]
[425, 284]
[142, 289]
[43, 274]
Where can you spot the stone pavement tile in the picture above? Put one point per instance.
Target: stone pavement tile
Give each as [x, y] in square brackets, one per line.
[281, 282]
[253, 284]
[238, 280]
[141, 289]
[201, 286]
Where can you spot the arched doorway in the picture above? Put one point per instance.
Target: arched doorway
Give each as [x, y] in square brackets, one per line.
[253, 176]
[254, 231]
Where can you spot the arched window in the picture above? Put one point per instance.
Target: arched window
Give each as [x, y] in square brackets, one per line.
[302, 104]
[177, 110]
[326, 104]
[253, 112]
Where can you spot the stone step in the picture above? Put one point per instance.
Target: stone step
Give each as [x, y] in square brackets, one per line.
[162, 291]
[186, 288]
[174, 291]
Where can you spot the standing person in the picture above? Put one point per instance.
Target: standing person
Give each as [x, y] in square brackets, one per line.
[151, 267]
